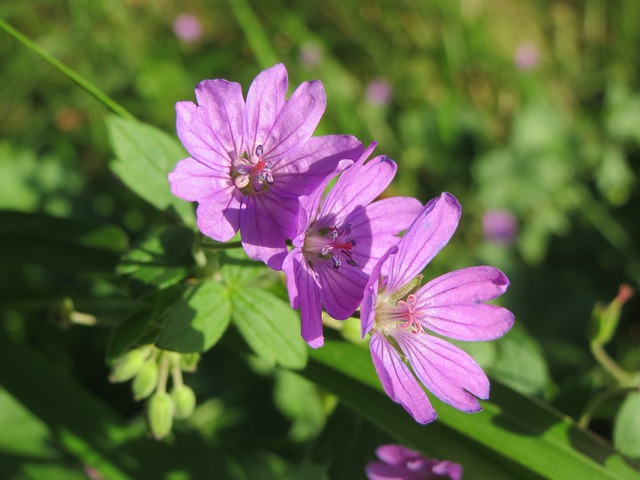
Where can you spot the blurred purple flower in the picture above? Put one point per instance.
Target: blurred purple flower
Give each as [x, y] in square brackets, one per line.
[398, 462]
[500, 226]
[527, 56]
[398, 313]
[310, 54]
[338, 242]
[187, 27]
[251, 161]
[378, 92]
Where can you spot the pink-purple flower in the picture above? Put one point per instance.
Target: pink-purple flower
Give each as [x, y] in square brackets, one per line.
[397, 462]
[499, 226]
[187, 27]
[251, 160]
[400, 314]
[340, 238]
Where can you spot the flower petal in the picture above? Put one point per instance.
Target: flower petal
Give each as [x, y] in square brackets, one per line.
[370, 299]
[219, 214]
[192, 180]
[446, 370]
[265, 100]
[265, 225]
[453, 306]
[213, 131]
[304, 292]
[342, 289]
[311, 166]
[387, 218]
[359, 185]
[395, 454]
[398, 381]
[426, 236]
[297, 120]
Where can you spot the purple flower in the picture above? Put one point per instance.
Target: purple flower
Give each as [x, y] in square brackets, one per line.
[499, 226]
[310, 54]
[378, 92]
[187, 27]
[338, 242]
[398, 462]
[399, 313]
[527, 56]
[250, 161]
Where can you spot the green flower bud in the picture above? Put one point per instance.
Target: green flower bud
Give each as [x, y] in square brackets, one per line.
[189, 362]
[146, 380]
[160, 415]
[128, 365]
[185, 401]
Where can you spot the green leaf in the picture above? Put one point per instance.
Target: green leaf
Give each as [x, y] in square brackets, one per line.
[144, 158]
[520, 363]
[129, 332]
[301, 401]
[237, 270]
[59, 244]
[162, 259]
[513, 437]
[197, 320]
[269, 326]
[626, 427]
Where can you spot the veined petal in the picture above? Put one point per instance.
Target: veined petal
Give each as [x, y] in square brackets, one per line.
[265, 100]
[224, 108]
[342, 289]
[359, 185]
[446, 370]
[304, 292]
[453, 304]
[297, 120]
[370, 299]
[398, 381]
[309, 167]
[192, 180]
[426, 236]
[218, 215]
[386, 218]
[266, 223]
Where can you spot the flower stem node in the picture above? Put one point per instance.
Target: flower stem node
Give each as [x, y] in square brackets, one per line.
[160, 411]
[129, 365]
[146, 381]
[184, 400]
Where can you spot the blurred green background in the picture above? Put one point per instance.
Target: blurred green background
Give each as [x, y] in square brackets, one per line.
[528, 108]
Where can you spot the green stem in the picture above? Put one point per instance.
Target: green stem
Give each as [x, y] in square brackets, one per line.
[621, 375]
[254, 33]
[597, 401]
[163, 374]
[73, 76]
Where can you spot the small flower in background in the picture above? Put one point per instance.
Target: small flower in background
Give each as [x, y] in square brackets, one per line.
[338, 242]
[310, 54]
[500, 226]
[187, 27]
[252, 161]
[527, 56]
[378, 92]
[398, 462]
[398, 313]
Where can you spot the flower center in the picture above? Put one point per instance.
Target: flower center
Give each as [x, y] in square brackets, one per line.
[331, 243]
[253, 172]
[402, 315]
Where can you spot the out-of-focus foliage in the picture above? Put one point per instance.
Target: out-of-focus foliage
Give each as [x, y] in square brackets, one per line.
[528, 107]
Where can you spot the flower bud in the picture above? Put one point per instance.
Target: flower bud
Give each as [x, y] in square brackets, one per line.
[146, 380]
[160, 415]
[189, 362]
[128, 365]
[185, 401]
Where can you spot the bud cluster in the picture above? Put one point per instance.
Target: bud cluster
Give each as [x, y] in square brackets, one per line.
[149, 368]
